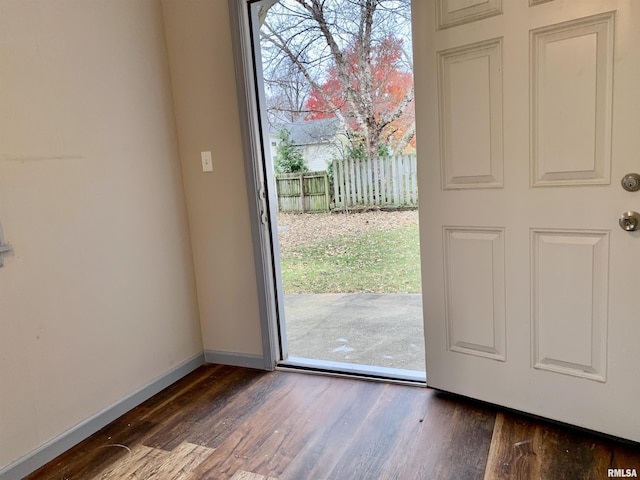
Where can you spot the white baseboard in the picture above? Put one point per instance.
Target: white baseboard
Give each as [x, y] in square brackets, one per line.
[234, 359]
[50, 450]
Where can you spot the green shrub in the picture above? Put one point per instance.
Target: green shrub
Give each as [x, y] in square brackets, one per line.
[288, 159]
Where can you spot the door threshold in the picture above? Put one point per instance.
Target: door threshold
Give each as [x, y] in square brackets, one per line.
[353, 370]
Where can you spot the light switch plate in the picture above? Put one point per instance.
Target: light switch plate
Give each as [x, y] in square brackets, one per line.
[207, 163]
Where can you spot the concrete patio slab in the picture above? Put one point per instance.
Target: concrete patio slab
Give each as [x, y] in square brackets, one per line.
[383, 330]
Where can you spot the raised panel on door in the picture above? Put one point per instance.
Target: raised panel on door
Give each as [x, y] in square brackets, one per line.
[474, 284]
[533, 3]
[457, 12]
[470, 98]
[569, 325]
[571, 102]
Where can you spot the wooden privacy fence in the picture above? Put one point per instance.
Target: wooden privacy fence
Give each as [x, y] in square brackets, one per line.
[303, 192]
[381, 181]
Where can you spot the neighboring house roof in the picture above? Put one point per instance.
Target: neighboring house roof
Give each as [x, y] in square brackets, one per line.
[311, 131]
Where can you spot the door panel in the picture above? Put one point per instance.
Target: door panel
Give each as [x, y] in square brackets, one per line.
[470, 99]
[527, 119]
[569, 325]
[571, 79]
[474, 289]
[456, 12]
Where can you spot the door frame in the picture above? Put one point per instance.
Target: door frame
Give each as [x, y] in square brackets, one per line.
[262, 205]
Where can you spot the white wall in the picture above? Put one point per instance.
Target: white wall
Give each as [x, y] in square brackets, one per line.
[204, 89]
[99, 297]
[318, 157]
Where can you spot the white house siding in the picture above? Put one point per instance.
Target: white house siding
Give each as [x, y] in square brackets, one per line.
[319, 157]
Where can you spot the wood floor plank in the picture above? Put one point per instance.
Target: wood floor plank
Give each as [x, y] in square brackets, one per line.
[423, 449]
[302, 424]
[242, 475]
[447, 438]
[468, 444]
[98, 451]
[525, 448]
[165, 399]
[140, 463]
[513, 450]
[220, 389]
[367, 454]
[324, 448]
[155, 464]
[180, 463]
[221, 422]
[251, 442]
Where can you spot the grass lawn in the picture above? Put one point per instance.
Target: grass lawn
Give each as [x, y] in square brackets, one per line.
[380, 261]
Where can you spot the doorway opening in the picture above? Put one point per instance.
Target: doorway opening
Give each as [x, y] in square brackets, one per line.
[334, 87]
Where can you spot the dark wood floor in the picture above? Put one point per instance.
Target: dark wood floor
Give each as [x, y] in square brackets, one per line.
[234, 423]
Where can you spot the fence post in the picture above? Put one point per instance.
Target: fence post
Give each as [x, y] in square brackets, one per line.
[369, 169]
[327, 195]
[302, 192]
[338, 182]
[347, 182]
[414, 179]
[375, 179]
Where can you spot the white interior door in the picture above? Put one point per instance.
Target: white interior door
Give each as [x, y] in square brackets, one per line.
[528, 116]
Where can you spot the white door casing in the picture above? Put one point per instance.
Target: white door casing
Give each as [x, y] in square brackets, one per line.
[528, 117]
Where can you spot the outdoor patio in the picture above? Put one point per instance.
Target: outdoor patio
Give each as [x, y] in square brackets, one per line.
[383, 330]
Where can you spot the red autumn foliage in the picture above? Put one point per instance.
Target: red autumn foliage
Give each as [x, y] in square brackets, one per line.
[390, 80]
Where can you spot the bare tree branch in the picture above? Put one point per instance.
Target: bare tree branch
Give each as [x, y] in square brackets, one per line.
[281, 43]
